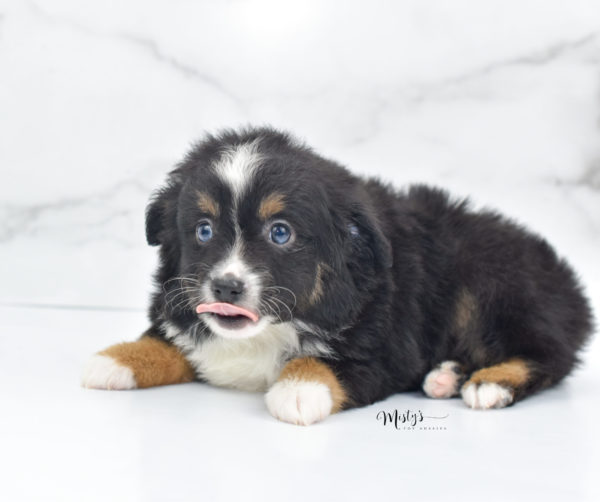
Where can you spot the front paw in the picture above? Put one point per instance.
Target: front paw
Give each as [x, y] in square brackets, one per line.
[103, 372]
[299, 402]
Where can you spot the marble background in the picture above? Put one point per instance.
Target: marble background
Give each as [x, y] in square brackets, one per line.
[498, 100]
[494, 100]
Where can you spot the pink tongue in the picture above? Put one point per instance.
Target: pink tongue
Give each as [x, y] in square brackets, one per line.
[226, 309]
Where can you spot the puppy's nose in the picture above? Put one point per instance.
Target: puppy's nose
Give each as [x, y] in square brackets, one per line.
[227, 289]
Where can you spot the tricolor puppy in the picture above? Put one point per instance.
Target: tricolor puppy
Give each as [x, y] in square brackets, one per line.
[281, 271]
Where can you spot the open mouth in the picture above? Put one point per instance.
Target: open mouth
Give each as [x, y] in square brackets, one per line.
[229, 316]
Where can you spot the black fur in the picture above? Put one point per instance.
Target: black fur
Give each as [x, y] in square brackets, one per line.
[397, 263]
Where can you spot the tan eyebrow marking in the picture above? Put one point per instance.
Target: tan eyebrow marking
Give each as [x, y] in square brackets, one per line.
[271, 205]
[207, 204]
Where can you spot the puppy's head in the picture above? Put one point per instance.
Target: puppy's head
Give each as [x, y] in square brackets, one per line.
[256, 229]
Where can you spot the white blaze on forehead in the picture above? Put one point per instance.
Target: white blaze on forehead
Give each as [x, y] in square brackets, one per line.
[237, 165]
[236, 168]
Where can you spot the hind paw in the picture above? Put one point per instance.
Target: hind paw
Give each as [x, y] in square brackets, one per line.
[443, 381]
[483, 396]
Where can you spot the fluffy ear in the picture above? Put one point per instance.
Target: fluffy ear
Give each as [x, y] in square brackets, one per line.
[161, 211]
[154, 213]
[369, 236]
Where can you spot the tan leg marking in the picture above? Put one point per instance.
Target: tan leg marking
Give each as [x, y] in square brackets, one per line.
[466, 311]
[513, 372]
[309, 369]
[495, 387]
[153, 362]
[465, 327]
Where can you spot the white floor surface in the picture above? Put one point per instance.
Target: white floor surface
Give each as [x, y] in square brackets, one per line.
[60, 442]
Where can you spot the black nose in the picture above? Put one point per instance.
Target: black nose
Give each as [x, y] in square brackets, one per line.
[227, 289]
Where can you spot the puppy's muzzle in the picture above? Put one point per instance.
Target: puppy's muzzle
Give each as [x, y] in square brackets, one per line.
[227, 289]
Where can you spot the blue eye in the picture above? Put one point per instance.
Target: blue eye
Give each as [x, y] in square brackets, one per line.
[353, 229]
[280, 233]
[204, 232]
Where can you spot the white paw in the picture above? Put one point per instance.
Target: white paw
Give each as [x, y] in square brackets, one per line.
[442, 382]
[486, 395]
[299, 402]
[103, 372]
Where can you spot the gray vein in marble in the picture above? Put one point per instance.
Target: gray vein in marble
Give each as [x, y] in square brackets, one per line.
[421, 93]
[537, 58]
[19, 220]
[187, 70]
[585, 211]
[540, 57]
[149, 46]
[591, 177]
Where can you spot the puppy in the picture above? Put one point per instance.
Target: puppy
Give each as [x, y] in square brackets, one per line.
[280, 271]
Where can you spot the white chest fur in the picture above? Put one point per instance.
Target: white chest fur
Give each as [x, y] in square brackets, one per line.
[248, 364]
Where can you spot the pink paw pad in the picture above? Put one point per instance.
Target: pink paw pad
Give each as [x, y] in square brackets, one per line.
[442, 382]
